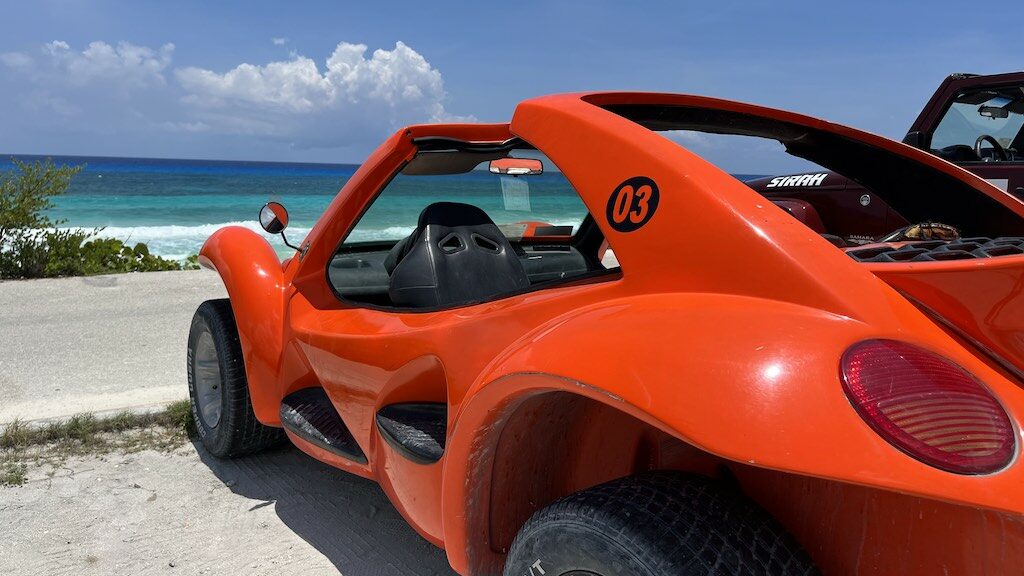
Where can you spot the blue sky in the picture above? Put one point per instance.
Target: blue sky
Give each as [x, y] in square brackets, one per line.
[209, 80]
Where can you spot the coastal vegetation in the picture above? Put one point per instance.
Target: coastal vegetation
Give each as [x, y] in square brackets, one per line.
[32, 245]
[23, 445]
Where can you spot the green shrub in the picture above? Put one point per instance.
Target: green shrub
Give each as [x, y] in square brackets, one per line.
[25, 197]
[64, 254]
[32, 246]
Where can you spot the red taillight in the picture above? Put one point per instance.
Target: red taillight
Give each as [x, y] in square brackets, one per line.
[928, 407]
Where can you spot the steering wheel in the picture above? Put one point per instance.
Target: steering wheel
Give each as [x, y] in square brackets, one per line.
[997, 148]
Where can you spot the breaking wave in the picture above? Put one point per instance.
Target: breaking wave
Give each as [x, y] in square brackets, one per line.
[179, 242]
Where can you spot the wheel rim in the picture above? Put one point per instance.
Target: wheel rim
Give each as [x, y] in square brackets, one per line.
[207, 379]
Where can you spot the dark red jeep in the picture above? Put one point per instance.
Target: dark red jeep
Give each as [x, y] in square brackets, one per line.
[972, 121]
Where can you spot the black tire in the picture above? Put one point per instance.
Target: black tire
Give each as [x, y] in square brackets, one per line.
[655, 524]
[235, 431]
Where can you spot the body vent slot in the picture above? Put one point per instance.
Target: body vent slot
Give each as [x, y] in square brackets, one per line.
[310, 415]
[416, 431]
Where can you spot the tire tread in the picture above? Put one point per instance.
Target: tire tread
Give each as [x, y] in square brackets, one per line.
[673, 524]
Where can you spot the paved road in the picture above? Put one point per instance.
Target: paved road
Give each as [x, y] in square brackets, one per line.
[113, 342]
[94, 344]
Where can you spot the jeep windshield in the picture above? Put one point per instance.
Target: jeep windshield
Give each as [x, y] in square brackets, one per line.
[982, 126]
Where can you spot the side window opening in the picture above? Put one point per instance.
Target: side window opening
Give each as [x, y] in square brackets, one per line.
[849, 203]
[804, 189]
[856, 194]
[457, 226]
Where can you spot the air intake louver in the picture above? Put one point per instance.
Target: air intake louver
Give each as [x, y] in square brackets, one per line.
[939, 250]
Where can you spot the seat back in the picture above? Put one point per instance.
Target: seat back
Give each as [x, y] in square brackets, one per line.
[456, 255]
[802, 211]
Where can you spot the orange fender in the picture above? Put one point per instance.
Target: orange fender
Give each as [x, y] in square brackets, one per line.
[745, 379]
[253, 276]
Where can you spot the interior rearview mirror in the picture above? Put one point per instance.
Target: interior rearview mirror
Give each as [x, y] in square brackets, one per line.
[516, 166]
[273, 217]
[993, 112]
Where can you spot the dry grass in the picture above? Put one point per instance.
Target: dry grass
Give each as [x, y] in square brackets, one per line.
[50, 444]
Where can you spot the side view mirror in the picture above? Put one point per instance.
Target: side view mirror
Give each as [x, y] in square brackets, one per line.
[516, 166]
[918, 140]
[274, 219]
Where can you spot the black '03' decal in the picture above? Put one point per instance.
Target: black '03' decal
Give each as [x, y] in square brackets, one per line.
[632, 204]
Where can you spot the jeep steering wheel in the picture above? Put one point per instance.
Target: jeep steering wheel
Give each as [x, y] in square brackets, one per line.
[997, 148]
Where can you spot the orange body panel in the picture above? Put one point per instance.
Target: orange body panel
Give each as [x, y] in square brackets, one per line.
[708, 359]
[987, 301]
[252, 275]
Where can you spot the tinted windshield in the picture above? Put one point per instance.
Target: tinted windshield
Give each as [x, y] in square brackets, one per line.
[977, 114]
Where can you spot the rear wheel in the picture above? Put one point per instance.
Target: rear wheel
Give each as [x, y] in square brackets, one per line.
[218, 388]
[655, 524]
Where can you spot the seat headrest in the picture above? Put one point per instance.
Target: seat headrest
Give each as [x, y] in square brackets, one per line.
[456, 255]
[453, 214]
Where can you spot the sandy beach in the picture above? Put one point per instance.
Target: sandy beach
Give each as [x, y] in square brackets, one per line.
[96, 344]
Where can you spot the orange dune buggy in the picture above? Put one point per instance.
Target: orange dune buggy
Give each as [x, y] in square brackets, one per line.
[569, 346]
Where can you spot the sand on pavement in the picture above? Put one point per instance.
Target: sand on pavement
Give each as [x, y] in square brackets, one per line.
[280, 512]
[97, 343]
[117, 342]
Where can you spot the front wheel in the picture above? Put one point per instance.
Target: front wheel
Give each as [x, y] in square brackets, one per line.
[655, 524]
[217, 386]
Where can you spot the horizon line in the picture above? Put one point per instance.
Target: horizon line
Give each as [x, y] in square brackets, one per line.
[100, 157]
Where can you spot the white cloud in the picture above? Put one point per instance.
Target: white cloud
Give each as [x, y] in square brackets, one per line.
[47, 103]
[352, 97]
[16, 59]
[184, 126]
[100, 88]
[279, 41]
[690, 138]
[121, 67]
[295, 85]
[113, 92]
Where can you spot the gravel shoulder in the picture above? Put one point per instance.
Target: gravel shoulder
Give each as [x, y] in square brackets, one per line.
[187, 513]
[98, 343]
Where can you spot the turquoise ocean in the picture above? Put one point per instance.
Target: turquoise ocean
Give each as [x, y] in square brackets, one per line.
[174, 205]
